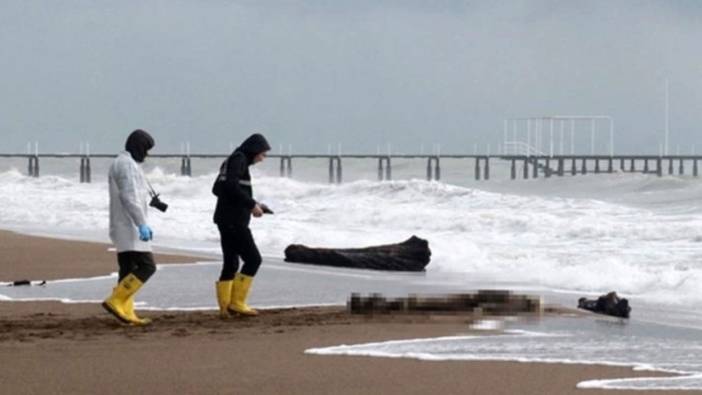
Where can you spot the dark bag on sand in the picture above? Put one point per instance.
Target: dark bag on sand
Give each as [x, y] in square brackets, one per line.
[609, 304]
[411, 255]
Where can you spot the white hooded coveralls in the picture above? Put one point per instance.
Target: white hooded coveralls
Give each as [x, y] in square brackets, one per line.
[129, 198]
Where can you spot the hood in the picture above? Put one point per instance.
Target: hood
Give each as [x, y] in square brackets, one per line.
[253, 146]
[138, 144]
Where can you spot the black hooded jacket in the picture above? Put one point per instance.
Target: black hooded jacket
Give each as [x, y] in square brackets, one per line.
[233, 184]
[138, 143]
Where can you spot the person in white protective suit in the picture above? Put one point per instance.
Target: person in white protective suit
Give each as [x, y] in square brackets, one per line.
[129, 230]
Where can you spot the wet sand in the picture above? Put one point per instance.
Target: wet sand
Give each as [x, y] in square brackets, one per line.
[55, 348]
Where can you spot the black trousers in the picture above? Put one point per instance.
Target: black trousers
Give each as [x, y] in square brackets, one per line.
[140, 263]
[237, 241]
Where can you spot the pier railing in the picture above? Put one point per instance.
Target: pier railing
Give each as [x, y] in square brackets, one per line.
[532, 166]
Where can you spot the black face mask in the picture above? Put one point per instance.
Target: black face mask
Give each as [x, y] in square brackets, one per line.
[138, 144]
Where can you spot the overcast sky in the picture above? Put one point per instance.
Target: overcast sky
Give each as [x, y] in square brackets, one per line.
[359, 73]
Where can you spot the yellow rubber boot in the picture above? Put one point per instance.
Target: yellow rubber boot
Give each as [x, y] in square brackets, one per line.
[117, 303]
[224, 296]
[240, 291]
[129, 309]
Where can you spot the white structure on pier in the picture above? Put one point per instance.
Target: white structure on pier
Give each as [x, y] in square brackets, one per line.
[525, 136]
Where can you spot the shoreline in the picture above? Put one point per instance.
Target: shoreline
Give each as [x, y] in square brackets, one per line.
[78, 348]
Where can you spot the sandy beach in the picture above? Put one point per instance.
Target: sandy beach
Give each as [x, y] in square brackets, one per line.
[55, 348]
[42, 258]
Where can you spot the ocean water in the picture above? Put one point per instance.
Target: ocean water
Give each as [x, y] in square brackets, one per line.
[564, 340]
[563, 238]
[639, 235]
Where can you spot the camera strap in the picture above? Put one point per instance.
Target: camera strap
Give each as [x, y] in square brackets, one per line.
[151, 189]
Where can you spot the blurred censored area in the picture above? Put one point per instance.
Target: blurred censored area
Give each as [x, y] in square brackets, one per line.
[491, 302]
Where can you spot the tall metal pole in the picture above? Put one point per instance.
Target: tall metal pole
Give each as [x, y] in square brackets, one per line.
[562, 138]
[667, 119]
[572, 136]
[551, 137]
[611, 137]
[514, 136]
[537, 138]
[592, 136]
[528, 136]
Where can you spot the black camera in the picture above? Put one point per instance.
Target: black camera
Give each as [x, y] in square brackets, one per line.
[158, 204]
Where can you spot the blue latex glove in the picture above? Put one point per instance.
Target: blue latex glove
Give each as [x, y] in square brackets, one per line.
[145, 233]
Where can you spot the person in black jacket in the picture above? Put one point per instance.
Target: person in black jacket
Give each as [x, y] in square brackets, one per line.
[235, 205]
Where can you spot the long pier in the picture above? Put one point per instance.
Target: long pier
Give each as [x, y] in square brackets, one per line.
[532, 166]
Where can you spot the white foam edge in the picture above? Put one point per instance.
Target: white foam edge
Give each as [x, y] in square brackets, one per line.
[348, 350]
[62, 300]
[160, 266]
[487, 325]
[64, 280]
[337, 350]
[619, 383]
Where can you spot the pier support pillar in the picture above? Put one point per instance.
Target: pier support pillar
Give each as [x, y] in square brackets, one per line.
[339, 170]
[331, 170]
[526, 168]
[573, 167]
[561, 166]
[185, 167]
[547, 169]
[513, 169]
[85, 171]
[33, 166]
[681, 168]
[659, 167]
[487, 168]
[670, 166]
[597, 166]
[285, 166]
[477, 168]
[632, 167]
[622, 167]
[695, 171]
[646, 168]
[535, 172]
[610, 165]
[384, 168]
[584, 166]
[335, 170]
[436, 174]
